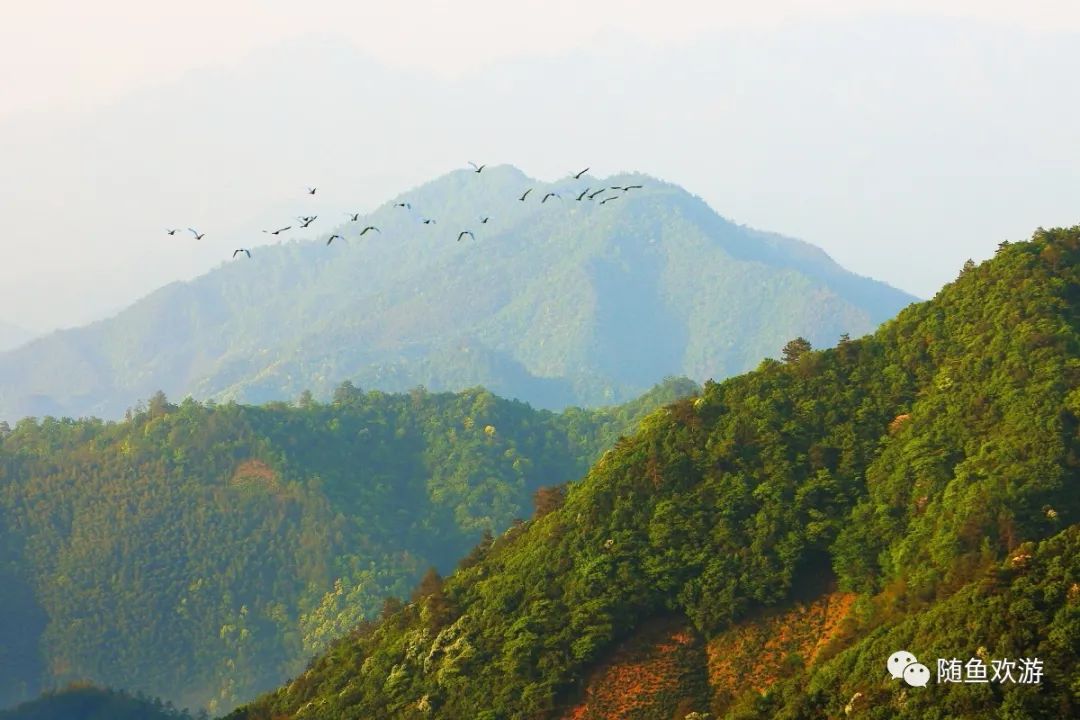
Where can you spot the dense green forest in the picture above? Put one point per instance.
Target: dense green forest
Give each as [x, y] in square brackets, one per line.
[92, 703]
[202, 552]
[931, 468]
[549, 305]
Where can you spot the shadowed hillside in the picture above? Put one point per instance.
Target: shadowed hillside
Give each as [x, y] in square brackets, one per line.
[202, 553]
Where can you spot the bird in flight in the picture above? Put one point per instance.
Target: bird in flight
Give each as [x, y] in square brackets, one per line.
[601, 190]
[522, 198]
[242, 250]
[428, 221]
[332, 238]
[617, 187]
[278, 231]
[583, 194]
[308, 221]
[196, 234]
[405, 205]
[353, 217]
[607, 200]
[463, 233]
[477, 168]
[369, 227]
[631, 187]
[550, 194]
[172, 232]
[483, 220]
[578, 176]
[311, 190]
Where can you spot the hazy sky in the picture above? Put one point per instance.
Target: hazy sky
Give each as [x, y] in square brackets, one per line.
[57, 51]
[902, 137]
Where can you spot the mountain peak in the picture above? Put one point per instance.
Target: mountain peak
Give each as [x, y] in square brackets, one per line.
[558, 292]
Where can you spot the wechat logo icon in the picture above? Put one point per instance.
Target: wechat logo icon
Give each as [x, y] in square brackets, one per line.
[904, 665]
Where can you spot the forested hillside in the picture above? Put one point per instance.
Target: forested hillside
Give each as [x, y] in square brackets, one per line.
[559, 303]
[202, 553]
[91, 703]
[928, 472]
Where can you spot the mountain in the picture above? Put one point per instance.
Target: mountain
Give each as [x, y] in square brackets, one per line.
[760, 551]
[91, 703]
[201, 553]
[558, 303]
[12, 336]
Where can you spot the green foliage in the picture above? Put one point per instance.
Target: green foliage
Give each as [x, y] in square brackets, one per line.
[917, 457]
[204, 552]
[81, 702]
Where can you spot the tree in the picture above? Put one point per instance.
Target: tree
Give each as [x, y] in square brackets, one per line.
[430, 584]
[347, 393]
[548, 499]
[158, 405]
[306, 400]
[795, 349]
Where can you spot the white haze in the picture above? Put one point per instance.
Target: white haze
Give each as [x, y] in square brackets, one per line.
[900, 144]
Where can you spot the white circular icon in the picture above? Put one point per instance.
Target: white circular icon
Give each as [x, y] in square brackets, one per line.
[898, 661]
[916, 675]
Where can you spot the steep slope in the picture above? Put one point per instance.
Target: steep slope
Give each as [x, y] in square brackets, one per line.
[555, 303]
[912, 466]
[203, 553]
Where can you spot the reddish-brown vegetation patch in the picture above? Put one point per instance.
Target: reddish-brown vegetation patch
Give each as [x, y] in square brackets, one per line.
[656, 675]
[755, 654]
[255, 472]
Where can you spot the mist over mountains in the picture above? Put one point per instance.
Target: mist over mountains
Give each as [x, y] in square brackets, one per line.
[556, 303]
[872, 139]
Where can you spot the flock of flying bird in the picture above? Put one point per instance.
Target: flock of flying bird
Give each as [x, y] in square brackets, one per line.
[306, 220]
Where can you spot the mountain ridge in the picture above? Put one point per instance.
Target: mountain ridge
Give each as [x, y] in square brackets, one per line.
[554, 293]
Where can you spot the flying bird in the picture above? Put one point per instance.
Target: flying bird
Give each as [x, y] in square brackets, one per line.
[332, 238]
[308, 221]
[483, 220]
[632, 187]
[369, 227]
[607, 200]
[353, 216]
[172, 232]
[196, 234]
[311, 190]
[617, 187]
[463, 233]
[583, 193]
[242, 250]
[601, 190]
[405, 205]
[477, 168]
[428, 221]
[522, 198]
[578, 176]
[278, 231]
[550, 194]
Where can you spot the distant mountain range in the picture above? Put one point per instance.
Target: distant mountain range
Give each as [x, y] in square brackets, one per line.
[558, 303]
